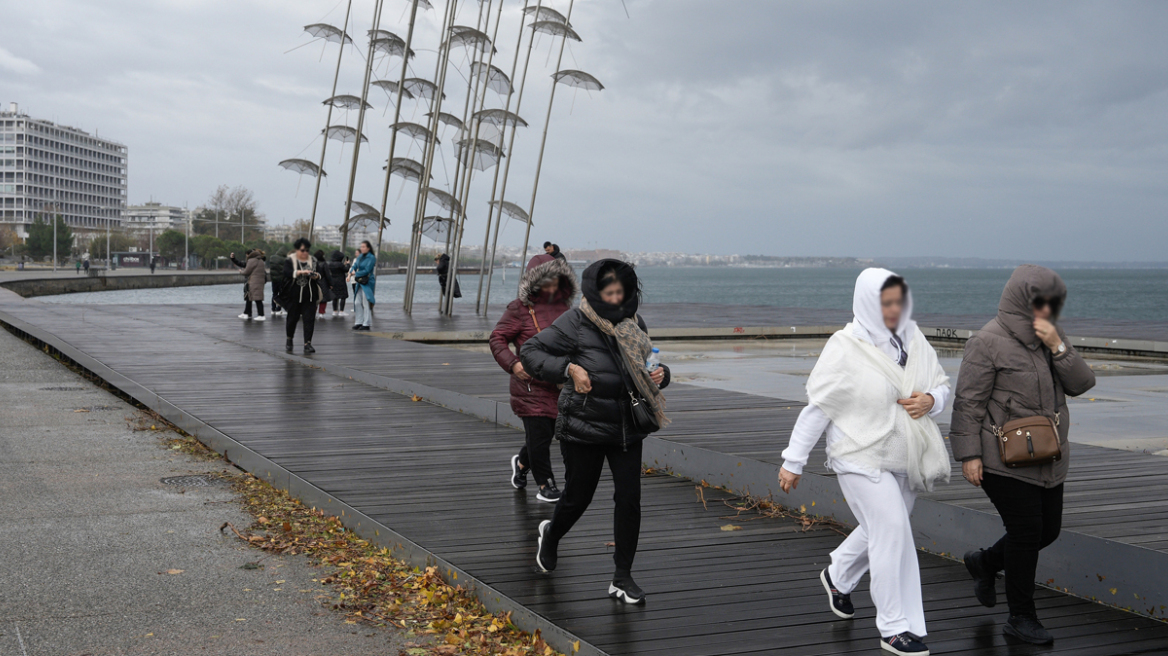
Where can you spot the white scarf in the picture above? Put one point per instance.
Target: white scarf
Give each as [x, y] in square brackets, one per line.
[857, 386]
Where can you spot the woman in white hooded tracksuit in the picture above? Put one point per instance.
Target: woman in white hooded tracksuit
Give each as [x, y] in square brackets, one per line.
[875, 390]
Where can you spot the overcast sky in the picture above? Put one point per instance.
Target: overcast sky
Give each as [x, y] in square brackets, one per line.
[785, 128]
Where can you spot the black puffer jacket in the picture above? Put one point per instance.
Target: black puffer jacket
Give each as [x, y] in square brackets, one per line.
[603, 416]
[337, 272]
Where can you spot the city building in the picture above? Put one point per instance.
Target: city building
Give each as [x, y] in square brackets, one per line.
[154, 216]
[48, 169]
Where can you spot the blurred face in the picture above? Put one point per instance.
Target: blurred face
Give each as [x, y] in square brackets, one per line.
[302, 254]
[548, 249]
[1045, 308]
[550, 288]
[364, 248]
[892, 306]
[613, 293]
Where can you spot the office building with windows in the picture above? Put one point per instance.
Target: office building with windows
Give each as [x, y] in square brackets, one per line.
[154, 216]
[48, 169]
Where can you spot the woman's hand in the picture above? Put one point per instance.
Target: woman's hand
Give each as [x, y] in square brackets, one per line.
[519, 372]
[1048, 334]
[971, 470]
[788, 481]
[580, 380]
[918, 405]
[657, 376]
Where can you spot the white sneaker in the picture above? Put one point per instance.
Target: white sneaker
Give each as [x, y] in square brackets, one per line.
[260, 318]
[245, 317]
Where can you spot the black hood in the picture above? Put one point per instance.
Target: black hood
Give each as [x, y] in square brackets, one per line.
[628, 278]
[338, 256]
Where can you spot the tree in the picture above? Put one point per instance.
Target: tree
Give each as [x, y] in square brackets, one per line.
[8, 239]
[226, 210]
[170, 244]
[208, 248]
[119, 243]
[40, 238]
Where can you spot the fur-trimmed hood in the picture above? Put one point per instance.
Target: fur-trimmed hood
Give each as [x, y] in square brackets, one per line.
[540, 270]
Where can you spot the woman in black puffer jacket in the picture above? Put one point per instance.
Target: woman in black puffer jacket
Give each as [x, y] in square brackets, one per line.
[595, 422]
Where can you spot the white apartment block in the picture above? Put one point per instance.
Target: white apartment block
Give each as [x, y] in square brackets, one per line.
[156, 217]
[48, 169]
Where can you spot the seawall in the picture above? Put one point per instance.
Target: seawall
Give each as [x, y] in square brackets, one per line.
[31, 287]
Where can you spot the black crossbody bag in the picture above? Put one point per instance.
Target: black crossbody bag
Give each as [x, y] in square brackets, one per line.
[644, 415]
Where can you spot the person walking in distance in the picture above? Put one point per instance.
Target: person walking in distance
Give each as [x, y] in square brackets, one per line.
[255, 272]
[303, 291]
[876, 390]
[363, 275]
[1018, 367]
[276, 273]
[326, 284]
[338, 273]
[85, 265]
[545, 292]
[442, 268]
[608, 406]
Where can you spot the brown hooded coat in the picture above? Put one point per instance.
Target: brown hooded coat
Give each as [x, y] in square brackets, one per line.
[256, 273]
[1008, 373]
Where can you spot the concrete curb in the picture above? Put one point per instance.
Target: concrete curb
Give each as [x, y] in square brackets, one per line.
[281, 478]
[32, 287]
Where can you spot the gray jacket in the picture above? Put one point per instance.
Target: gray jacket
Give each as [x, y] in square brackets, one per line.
[1008, 373]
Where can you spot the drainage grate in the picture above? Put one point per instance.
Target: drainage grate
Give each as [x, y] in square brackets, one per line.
[63, 389]
[200, 480]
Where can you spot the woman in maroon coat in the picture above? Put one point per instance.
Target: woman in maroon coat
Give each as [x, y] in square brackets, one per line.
[545, 293]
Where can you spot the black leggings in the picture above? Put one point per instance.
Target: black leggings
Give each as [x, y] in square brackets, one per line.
[583, 465]
[1033, 516]
[338, 305]
[296, 312]
[536, 453]
[259, 305]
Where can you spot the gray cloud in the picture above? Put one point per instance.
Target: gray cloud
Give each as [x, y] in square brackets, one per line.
[826, 128]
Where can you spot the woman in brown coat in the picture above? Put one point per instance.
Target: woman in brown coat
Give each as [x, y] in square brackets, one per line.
[255, 272]
[1017, 366]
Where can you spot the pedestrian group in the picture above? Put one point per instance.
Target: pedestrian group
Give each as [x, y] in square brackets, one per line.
[583, 375]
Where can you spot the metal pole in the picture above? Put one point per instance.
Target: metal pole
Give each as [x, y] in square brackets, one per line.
[360, 126]
[542, 144]
[328, 119]
[507, 166]
[401, 83]
[428, 160]
[187, 241]
[107, 242]
[457, 223]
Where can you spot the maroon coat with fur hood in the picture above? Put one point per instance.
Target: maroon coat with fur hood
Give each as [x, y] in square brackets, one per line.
[533, 398]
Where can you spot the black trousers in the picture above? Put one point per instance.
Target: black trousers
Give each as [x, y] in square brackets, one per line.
[583, 465]
[275, 303]
[1033, 516]
[259, 305]
[536, 453]
[296, 312]
[339, 304]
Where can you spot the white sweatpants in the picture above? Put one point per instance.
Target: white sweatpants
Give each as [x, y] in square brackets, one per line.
[883, 544]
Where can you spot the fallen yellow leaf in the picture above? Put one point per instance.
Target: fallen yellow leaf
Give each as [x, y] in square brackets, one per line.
[731, 527]
[174, 571]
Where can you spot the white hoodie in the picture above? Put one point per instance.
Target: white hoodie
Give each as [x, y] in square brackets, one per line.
[867, 325]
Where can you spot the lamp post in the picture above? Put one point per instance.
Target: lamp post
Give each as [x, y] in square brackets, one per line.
[187, 241]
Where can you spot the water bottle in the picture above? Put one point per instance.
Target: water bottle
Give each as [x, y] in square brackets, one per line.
[654, 360]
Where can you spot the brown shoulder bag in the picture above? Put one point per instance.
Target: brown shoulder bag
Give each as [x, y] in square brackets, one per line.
[1029, 441]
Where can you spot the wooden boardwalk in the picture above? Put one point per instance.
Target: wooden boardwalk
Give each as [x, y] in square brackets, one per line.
[440, 478]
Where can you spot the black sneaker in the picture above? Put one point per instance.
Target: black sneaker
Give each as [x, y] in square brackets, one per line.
[288, 346]
[356, 326]
[1027, 628]
[905, 644]
[841, 604]
[308, 348]
[545, 552]
[626, 590]
[518, 474]
[985, 588]
[549, 493]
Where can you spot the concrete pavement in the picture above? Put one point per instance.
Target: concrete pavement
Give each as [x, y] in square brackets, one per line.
[92, 542]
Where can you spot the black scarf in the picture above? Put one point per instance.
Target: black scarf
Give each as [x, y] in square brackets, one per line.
[628, 278]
